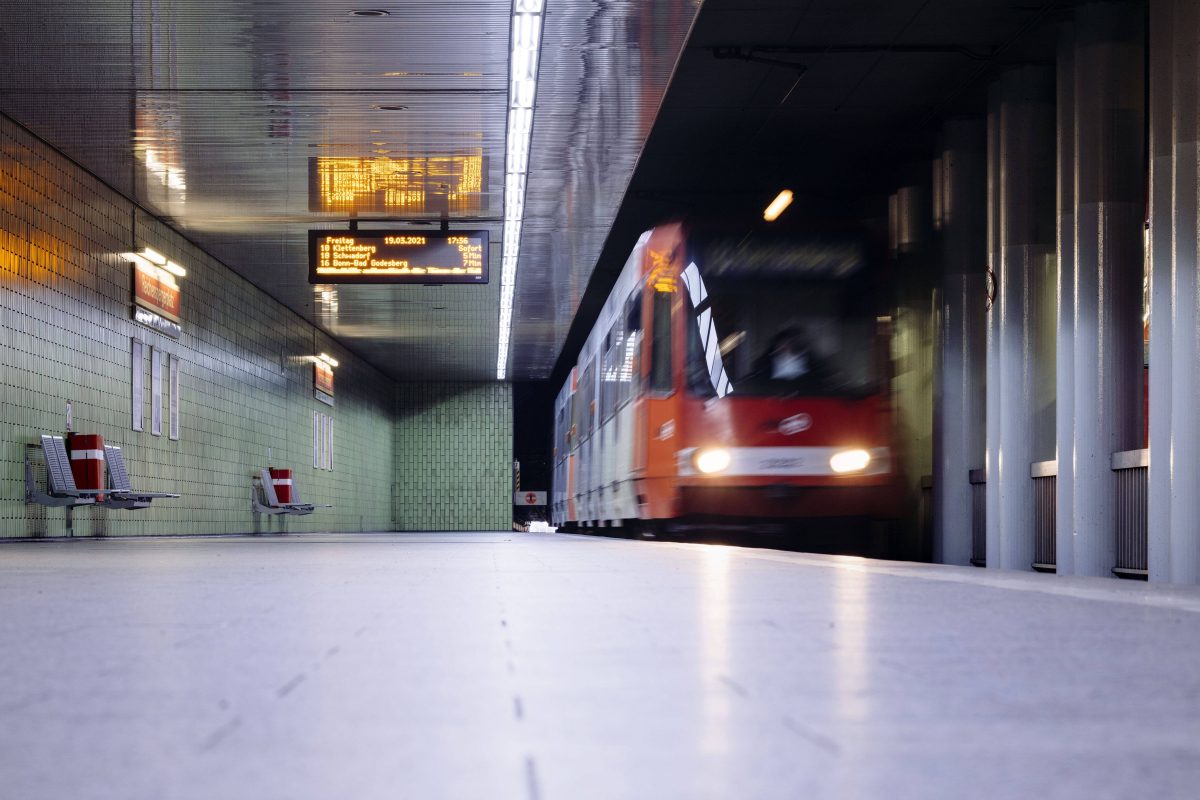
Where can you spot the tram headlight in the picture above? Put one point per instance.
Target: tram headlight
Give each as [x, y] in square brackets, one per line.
[845, 461]
[711, 459]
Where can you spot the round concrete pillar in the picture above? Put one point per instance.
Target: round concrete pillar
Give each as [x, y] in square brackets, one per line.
[1025, 300]
[1109, 213]
[961, 174]
[1185, 305]
[1162, 56]
[1064, 353]
[992, 336]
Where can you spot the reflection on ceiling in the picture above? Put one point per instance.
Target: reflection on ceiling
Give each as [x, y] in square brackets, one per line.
[245, 125]
[449, 185]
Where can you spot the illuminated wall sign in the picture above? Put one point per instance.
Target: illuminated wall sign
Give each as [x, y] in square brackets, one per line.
[156, 295]
[156, 290]
[398, 257]
[322, 380]
[454, 184]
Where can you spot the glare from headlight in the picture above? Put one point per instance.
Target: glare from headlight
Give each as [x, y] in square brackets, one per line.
[849, 461]
[712, 459]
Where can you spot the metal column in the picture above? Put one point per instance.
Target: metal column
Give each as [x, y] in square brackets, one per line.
[1185, 321]
[1109, 214]
[992, 342]
[1025, 299]
[960, 196]
[1162, 22]
[1064, 354]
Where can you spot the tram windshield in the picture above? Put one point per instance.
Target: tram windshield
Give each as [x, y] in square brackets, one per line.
[770, 333]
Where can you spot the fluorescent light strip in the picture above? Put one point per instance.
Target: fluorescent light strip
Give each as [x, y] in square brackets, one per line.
[155, 256]
[522, 90]
[781, 202]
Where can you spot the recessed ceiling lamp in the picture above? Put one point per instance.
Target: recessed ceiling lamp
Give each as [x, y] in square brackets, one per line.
[781, 201]
[370, 12]
[382, 107]
[152, 258]
[522, 89]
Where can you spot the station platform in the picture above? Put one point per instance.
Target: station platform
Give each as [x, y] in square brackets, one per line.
[548, 667]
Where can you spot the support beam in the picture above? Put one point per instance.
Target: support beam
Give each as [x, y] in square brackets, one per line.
[1162, 245]
[1064, 529]
[1024, 365]
[1185, 313]
[1109, 213]
[960, 183]
[992, 341]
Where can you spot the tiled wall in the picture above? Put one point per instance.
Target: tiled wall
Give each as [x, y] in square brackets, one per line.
[453, 456]
[246, 383]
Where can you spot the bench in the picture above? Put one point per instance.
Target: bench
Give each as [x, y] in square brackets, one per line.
[265, 501]
[60, 481]
[121, 494]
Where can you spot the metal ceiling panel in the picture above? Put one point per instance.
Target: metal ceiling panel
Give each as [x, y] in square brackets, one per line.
[212, 115]
[604, 71]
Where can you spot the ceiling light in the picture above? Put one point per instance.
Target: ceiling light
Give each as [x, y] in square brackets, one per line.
[370, 12]
[154, 255]
[382, 107]
[328, 359]
[152, 260]
[524, 50]
[781, 201]
[138, 259]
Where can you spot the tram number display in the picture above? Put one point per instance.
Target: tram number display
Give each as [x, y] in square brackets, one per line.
[407, 256]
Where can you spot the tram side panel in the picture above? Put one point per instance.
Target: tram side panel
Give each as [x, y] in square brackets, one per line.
[599, 485]
[615, 336]
[660, 422]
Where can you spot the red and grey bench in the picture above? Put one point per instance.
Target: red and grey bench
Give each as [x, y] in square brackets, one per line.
[61, 489]
[266, 501]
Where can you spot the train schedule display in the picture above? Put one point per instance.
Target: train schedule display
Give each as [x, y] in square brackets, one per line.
[398, 256]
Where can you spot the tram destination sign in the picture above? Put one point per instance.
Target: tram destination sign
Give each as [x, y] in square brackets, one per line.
[398, 256]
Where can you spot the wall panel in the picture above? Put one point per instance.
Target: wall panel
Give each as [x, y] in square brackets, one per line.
[246, 377]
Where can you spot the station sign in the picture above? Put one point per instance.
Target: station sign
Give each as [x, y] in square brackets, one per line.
[323, 377]
[156, 298]
[398, 256]
[155, 289]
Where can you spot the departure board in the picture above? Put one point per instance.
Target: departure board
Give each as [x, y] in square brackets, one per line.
[407, 256]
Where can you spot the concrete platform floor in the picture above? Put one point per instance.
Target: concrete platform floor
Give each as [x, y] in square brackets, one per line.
[548, 667]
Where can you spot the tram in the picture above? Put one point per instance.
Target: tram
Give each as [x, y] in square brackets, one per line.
[728, 380]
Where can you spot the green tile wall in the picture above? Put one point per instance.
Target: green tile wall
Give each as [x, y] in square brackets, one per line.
[453, 456]
[246, 386]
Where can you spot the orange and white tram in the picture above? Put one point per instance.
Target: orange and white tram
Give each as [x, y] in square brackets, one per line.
[725, 382]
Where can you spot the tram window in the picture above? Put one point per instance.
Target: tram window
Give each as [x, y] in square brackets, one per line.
[631, 367]
[576, 429]
[588, 389]
[609, 374]
[699, 381]
[660, 351]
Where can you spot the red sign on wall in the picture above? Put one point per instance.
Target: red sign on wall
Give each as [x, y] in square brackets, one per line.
[156, 290]
[528, 498]
[323, 377]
